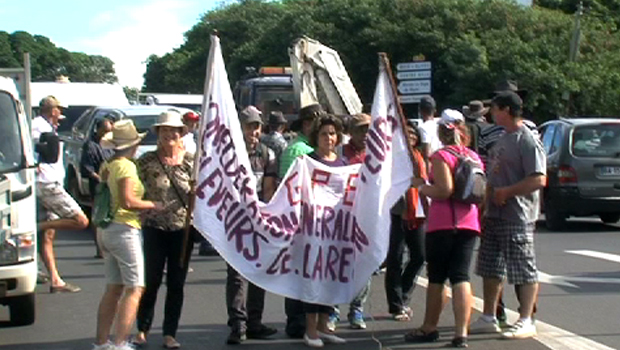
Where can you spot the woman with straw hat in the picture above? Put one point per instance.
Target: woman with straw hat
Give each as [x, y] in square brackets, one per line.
[165, 173]
[121, 240]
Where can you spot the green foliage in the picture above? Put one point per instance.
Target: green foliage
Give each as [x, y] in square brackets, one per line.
[47, 61]
[472, 44]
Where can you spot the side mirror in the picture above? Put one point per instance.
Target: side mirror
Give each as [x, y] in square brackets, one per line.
[48, 148]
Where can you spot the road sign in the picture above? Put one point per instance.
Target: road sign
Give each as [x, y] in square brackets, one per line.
[413, 66]
[414, 87]
[420, 74]
[410, 98]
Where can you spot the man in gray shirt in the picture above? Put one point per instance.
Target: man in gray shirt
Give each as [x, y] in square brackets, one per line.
[517, 170]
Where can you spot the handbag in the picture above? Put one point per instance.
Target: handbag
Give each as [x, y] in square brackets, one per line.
[195, 236]
[103, 214]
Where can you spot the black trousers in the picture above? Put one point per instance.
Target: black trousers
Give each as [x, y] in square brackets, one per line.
[399, 279]
[295, 318]
[244, 311]
[163, 248]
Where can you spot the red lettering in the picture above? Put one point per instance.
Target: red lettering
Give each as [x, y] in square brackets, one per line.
[344, 262]
[293, 193]
[349, 192]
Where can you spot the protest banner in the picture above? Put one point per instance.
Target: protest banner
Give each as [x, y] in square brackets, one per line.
[326, 230]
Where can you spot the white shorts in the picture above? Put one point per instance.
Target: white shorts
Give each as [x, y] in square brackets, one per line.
[124, 257]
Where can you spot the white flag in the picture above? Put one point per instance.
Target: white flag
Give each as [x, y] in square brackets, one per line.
[325, 231]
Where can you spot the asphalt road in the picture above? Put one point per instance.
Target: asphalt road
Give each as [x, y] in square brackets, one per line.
[581, 296]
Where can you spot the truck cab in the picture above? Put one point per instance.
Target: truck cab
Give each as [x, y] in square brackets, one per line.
[269, 89]
[18, 224]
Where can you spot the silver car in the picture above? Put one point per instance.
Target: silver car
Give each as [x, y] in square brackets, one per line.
[583, 166]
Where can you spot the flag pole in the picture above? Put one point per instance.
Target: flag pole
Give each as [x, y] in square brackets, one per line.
[384, 61]
[208, 88]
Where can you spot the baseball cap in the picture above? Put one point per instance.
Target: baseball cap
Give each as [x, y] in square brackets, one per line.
[508, 99]
[427, 102]
[51, 102]
[251, 114]
[360, 119]
[451, 116]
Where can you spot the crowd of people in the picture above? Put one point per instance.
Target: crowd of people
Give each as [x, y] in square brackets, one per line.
[150, 199]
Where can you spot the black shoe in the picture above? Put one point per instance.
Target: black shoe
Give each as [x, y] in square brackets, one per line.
[236, 337]
[459, 342]
[263, 332]
[419, 336]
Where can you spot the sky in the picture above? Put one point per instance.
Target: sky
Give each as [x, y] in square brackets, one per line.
[127, 32]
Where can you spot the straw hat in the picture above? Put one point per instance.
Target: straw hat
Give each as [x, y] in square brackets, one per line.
[122, 136]
[170, 118]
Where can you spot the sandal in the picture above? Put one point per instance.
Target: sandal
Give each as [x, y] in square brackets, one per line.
[419, 336]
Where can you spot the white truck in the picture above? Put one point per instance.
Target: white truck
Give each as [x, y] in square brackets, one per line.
[18, 221]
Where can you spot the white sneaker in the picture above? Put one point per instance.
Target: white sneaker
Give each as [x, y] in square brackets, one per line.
[313, 343]
[124, 346]
[520, 330]
[105, 346]
[481, 326]
[331, 338]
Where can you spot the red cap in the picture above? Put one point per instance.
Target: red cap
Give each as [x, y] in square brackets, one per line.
[191, 115]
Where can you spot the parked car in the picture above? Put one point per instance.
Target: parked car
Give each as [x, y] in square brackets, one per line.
[583, 167]
[84, 128]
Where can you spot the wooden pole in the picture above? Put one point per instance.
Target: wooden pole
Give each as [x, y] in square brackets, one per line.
[385, 62]
[208, 88]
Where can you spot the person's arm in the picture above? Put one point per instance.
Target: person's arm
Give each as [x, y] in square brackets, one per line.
[442, 186]
[524, 187]
[129, 201]
[269, 187]
[87, 163]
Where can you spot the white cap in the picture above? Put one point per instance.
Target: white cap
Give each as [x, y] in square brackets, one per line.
[451, 116]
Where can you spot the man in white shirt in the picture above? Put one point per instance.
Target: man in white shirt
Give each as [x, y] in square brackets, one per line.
[190, 119]
[57, 210]
[428, 129]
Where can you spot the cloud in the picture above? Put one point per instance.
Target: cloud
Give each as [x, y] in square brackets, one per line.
[139, 31]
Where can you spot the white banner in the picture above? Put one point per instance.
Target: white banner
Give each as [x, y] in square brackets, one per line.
[326, 230]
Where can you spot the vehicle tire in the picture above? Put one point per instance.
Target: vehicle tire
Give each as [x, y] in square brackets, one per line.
[554, 220]
[610, 218]
[22, 310]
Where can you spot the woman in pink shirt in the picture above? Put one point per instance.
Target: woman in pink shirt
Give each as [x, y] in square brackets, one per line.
[452, 230]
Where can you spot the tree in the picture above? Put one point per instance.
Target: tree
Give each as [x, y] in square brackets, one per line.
[472, 44]
[47, 61]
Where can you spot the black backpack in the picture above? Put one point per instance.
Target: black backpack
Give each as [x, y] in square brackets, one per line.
[470, 182]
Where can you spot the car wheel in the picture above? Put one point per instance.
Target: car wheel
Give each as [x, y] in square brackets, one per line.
[21, 310]
[554, 220]
[610, 218]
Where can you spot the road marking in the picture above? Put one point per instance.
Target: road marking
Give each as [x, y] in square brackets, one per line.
[595, 254]
[553, 337]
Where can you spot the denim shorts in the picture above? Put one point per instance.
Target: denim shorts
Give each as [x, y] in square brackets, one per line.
[124, 257]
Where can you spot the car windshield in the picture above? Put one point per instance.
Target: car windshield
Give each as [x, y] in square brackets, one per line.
[275, 98]
[11, 150]
[143, 123]
[602, 140]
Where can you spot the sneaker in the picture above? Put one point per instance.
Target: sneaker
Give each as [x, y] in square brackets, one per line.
[105, 346]
[520, 330]
[356, 320]
[236, 337]
[262, 332]
[67, 288]
[481, 326]
[331, 338]
[124, 346]
[313, 343]
[42, 277]
[332, 321]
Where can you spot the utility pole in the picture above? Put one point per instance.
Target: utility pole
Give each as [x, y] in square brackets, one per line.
[574, 49]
